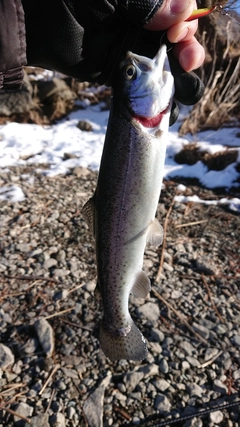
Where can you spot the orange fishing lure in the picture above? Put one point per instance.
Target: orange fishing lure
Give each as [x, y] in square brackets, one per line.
[199, 13]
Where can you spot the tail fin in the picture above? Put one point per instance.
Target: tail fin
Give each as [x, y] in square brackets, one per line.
[132, 346]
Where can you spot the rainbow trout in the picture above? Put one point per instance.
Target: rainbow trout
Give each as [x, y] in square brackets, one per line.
[122, 211]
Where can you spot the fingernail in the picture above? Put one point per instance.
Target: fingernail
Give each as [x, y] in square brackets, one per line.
[178, 6]
[181, 36]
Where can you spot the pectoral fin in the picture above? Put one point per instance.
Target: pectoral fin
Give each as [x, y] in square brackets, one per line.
[155, 233]
[142, 285]
[88, 212]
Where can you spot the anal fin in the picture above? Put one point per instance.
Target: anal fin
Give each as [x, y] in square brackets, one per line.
[155, 233]
[142, 285]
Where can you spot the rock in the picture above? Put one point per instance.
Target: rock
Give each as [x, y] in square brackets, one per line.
[161, 384]
[6, 356]
[71, 411]
[149, 311]
[132, 379]
[149, 370]
[40, 420]
[49, 263]
[193, 361]
[176, 294]
[194, 390]
[210, 353]
[194, 422]
[236, 340]
[28, 347]
[219, 387]
[58, 420]
[216, 417]
[187, 347]
[221, 329]
[162, 403]
[157, 335]
[201, 330]
[22, 409]
[16, 101]
[163, 366]
[53, 89]
[84, 125]
[93, 407]
[45, 336]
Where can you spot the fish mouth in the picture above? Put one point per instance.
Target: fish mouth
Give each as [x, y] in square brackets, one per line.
[152, 122]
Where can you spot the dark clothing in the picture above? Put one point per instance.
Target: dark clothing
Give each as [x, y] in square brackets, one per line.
[84, 39]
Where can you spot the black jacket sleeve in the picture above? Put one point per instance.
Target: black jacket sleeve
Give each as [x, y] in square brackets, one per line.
[12, 44]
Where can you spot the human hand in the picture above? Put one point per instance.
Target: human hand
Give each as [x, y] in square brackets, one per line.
[171, 17]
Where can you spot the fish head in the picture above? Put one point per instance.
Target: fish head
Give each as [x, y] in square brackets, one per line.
[148, 84]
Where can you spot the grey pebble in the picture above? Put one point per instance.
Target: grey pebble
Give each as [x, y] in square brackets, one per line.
[23, 409]
[216, 417]
[49, 263]
[236, 340]
[157, 335]
[58, 420]
[201, 330]
[131, 380]
[194, 390]
[221, 329]
[161, 384]
[210, 353]
[6, 356]
[40, 420]
[187, 347]
[45, 336]
[149, 311]
[93, 407]
[71, 411]
[149, 370]
[162, 403]
[193, 361]
[194, 422]
[219, 387]
[163, 366]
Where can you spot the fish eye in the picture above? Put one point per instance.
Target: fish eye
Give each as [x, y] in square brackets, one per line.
[130, 72]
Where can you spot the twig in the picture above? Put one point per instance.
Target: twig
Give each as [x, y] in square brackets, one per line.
[59, 313]
[15, 413]
[9, 389]
[46, 279]
[164, 241]
[76, 287]
[50, 400]
[180, 316]
[191, 223]
[16, 294]
[209, 362]
[122, 412]
[212, 302]
[49, 378]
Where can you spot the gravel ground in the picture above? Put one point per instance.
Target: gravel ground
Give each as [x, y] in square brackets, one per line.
[52, 370]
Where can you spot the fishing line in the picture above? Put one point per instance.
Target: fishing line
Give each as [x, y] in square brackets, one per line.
[188, 417]
[225, 12]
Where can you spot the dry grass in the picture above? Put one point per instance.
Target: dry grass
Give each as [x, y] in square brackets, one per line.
[220, 104]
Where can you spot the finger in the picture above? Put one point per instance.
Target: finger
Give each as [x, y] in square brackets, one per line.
[182, 32]
[171, 13]
[190, 54]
